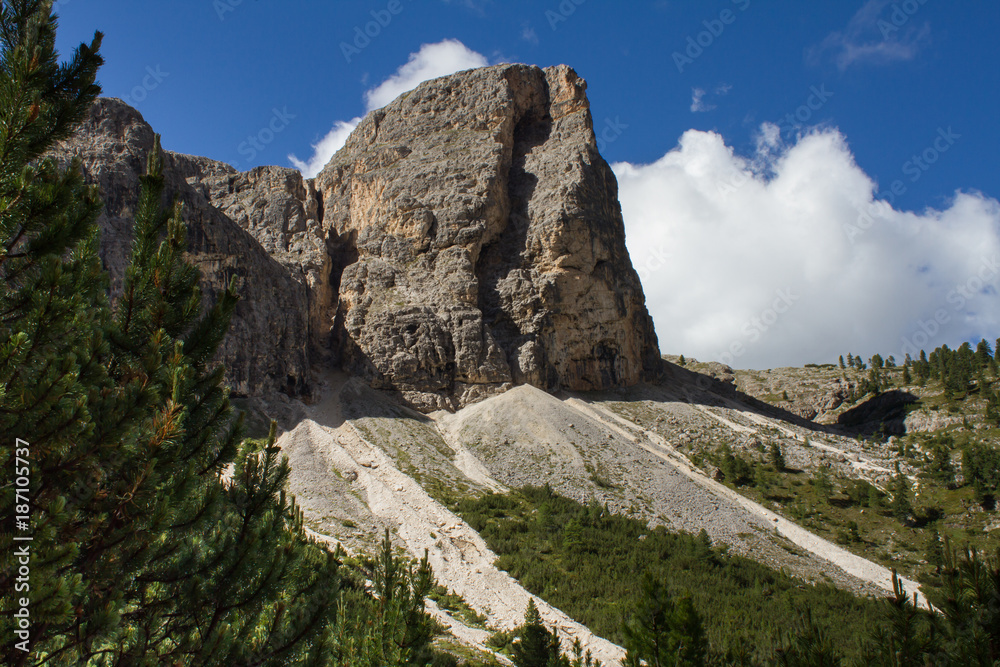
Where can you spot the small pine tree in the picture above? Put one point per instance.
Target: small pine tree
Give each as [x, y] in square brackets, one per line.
[900, 505]
[538, 646]
[777, 457]
[663, 630]
[935, 552]
[842, 365]
[808, 646]
[904, 637]
[906, 376]
[822, 483]
[682, 361]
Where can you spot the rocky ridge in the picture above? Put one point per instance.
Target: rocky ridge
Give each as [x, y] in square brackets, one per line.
[467, 239]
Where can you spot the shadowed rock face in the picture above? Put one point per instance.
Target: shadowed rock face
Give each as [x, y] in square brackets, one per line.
[489, 240]
[467, 238]
[267, 347]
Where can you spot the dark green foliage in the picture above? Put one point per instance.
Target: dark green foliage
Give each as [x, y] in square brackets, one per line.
[983, 354]
[939, 465]
[971, 607]
[777, 457]
[808, 646]
[682, 361]
[841, 360]
[662, 630]
[744, 606]
[900, 505]
[145, 551]
[907, 378]
[401, 590]
[905, 637]
[981, 468]
[862, 493]
[822, 482]
[537, 646]
[736, 469]
[992, 412]
[935, 552]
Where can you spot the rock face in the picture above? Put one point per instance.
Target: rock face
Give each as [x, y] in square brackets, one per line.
[479, 243]
[467, 239]
[267, 347]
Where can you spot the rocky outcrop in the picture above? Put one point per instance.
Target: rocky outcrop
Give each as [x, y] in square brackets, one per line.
[467, 239]
[281, 210]
[480, 243]
[267, 347]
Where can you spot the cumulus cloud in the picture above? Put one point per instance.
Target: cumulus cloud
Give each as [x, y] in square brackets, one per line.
[325, 148]
[787, 256]
[431, 61]
[874, 36]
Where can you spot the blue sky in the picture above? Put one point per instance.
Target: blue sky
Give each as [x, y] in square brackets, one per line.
[873, 85]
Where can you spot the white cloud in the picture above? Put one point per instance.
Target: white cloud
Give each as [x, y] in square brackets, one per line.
[698, 101]
[786, 257]
[872, 37]
[325, 148]
[529, 35]
[431, 61]
[698, 95]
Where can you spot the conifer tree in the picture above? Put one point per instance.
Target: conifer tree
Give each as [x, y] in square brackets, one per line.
[663, 630]
[905, 637]
[143, 553]
[808, 646]
[900, 506]
[537, 645]
[777, 457]
[55, 393]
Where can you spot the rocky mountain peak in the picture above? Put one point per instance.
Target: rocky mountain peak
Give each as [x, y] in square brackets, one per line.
[466, 239]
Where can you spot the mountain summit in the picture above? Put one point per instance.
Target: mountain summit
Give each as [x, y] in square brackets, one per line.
[467, 239]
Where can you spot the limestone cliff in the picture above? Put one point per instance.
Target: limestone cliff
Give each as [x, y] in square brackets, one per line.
[489, 243]
[267, 347]
[467, 238]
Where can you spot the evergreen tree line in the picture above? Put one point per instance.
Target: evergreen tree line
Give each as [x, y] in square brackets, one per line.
[959, 371]
[673, 599]
[159, 534]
